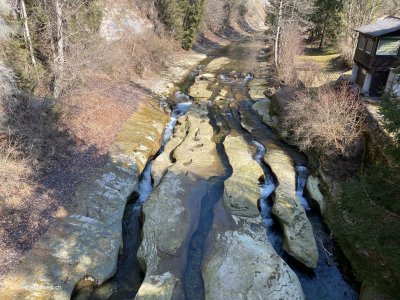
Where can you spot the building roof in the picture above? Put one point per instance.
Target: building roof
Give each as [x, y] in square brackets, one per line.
[381, 27]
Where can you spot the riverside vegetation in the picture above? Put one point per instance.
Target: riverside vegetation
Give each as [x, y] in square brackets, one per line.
[332, 125]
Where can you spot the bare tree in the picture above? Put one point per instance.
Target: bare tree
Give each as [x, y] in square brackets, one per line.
[291, 46]
[283, 12]
[355, 14]
[27, 34]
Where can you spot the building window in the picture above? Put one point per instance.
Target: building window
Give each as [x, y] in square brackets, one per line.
[361, 42]
[388, 46]
[370, 43]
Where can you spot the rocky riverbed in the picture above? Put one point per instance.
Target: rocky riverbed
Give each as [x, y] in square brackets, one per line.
[217, 212]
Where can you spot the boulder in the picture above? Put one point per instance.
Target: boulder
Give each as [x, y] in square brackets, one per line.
[257, 89]
[262, 107]
[313, 191]
[216, 65]
[298, 234]
[200, 90]
[244, 265]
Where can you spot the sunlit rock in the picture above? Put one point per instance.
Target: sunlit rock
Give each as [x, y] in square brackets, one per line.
[298, 234]
[263, 108]
[314, 192]
[242, 264]
[242, 191]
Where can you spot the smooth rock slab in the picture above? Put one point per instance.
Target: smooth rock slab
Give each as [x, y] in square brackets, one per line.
[171, 214]
[242, 191]
[158, 287]
[242, 264]
[298, 234]
[140, 137]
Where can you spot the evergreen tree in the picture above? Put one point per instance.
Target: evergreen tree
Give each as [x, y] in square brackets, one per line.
[182, 17]
[191, 22]
[326, 19]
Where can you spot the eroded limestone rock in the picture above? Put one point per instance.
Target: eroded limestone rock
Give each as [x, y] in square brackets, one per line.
[242, 192]
[312, 187]
[216, 65]
[299, 239]
[158, 287]
[88, 241]
[140, 137]
[242, 264]
[257, 89]
[172, 211]
[263, 107]
[200, 89]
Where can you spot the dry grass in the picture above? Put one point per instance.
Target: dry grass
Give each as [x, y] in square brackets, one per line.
[317, 69]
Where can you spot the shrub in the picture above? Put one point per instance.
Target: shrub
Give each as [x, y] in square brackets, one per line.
[331, 122]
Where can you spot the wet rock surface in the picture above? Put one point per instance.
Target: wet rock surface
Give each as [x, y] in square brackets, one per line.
[298, 234]
[171, 213]
[242, 263]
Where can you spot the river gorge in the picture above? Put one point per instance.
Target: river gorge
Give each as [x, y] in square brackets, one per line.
[221, 211]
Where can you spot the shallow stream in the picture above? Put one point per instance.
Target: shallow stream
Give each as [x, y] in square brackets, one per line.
[325, 282]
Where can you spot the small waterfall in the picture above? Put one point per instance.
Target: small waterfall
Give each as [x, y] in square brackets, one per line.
[180, 110]
[302, 175]
[129, 276]
[267, 187]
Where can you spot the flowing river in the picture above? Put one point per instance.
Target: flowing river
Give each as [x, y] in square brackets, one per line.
[231, 113]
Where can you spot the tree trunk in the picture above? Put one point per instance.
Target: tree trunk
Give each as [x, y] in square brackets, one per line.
[27, 34]
[278, 33]
[293, 10]
[323, 32]
[59, 60]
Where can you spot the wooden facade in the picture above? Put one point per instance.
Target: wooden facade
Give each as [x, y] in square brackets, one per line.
[377, 54]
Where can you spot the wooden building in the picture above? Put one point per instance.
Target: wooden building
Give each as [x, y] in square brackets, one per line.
[376, 56]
